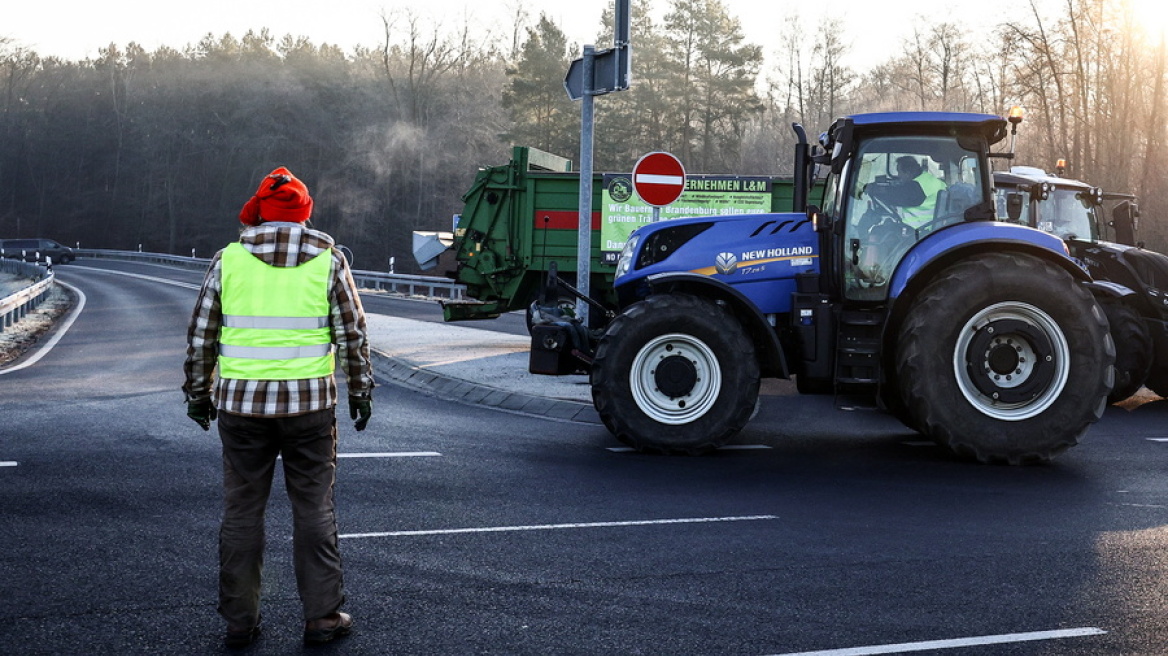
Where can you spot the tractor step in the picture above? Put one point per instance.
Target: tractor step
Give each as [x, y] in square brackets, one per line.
[857, 359]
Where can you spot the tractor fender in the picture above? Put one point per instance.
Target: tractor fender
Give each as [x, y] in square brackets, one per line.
[930, 256]
[771, 358]
[951, 244]
[1106, 289]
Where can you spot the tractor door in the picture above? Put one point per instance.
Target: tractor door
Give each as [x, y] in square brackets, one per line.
[901, 189]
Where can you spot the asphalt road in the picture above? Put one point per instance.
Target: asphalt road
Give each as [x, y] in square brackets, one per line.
[473, 531]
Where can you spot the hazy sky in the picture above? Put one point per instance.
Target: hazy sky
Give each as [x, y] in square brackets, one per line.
[75, 29]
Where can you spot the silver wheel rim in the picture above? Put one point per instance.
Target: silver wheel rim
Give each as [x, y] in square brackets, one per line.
[682, 409]
[1059, 358]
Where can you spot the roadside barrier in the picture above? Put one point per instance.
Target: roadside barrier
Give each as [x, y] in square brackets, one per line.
[394, 283]
[15, 306]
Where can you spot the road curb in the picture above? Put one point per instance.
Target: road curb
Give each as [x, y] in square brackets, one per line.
[405, 374]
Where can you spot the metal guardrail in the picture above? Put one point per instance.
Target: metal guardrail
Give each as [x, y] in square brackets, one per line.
[15, 307]
[199, 263]
[395, 283]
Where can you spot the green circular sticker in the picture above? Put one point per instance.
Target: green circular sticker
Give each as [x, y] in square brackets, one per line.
[620, 189]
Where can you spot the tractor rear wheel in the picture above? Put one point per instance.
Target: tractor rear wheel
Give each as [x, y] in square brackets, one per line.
[675, 373]
[1005, 358]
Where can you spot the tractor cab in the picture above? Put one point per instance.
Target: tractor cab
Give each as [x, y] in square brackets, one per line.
[1069, 209]
[1066, 208]
[895, 179]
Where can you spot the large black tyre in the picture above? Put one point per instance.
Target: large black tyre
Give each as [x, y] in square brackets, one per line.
[1133, 349]
[1005, 358]
[675, 373]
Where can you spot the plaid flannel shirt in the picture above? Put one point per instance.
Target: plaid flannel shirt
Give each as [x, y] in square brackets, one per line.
[279, 244]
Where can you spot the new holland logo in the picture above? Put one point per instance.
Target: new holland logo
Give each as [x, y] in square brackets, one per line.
[726, 263]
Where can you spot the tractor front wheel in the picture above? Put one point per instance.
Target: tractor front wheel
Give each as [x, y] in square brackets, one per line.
[675, 373]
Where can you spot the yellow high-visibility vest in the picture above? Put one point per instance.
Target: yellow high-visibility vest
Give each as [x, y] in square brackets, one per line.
[275, 319]
[923, 213]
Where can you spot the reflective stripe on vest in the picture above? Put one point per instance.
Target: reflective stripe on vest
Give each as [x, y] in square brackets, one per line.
[275, 319]
[274, 323]
[274, 352]
[923, 213]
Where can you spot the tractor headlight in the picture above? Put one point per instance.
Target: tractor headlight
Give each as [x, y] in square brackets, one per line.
[625, 262]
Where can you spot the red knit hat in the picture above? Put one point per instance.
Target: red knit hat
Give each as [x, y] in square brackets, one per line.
[281, 197]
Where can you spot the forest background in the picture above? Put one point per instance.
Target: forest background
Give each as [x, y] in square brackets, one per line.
[159, 149]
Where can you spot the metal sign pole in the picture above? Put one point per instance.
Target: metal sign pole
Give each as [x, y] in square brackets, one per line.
[584, 238]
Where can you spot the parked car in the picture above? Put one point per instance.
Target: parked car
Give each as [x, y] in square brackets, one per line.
[30, 249]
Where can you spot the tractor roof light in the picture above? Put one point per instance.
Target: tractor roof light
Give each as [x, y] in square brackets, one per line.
[1015, 115]
[1060, 166]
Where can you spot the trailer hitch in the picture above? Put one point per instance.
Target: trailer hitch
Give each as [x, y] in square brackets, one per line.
[553, 283]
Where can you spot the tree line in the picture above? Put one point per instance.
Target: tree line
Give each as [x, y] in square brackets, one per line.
[159, 149]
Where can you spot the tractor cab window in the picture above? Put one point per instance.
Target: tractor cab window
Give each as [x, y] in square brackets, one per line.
[1068, 213]
[902, 189]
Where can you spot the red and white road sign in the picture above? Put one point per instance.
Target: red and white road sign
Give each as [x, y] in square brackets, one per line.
[659, 178]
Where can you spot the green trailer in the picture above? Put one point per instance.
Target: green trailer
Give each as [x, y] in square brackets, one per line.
[521, 217]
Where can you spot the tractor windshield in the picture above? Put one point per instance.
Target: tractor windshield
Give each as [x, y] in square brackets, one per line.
[902, 189]
[1068, 213]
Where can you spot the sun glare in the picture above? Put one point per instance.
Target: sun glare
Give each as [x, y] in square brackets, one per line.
[1151, 15]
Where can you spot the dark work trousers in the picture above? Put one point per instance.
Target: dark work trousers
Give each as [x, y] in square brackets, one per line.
[308, 444]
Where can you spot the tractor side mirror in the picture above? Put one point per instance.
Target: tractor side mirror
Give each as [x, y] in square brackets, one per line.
[1014, 206]
[1123, 219]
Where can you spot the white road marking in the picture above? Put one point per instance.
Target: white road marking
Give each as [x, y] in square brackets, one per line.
[1139, 505]
[550, 527]
[958, 643]
[60, 332]
[400, 454]
[8, 463]
[165, 281]
[1158, 439]
[728, 447]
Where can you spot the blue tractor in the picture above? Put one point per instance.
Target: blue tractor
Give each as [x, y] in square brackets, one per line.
[981, 334]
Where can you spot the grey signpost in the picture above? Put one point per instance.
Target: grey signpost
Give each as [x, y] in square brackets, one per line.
[595, 74]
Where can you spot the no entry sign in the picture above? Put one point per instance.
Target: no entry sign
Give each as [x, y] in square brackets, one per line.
[659, 178]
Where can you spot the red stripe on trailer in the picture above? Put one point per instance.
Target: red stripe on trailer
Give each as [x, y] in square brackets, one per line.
[562, 220]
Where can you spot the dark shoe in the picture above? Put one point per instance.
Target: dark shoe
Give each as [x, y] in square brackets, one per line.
[239, 637]
[326, 628]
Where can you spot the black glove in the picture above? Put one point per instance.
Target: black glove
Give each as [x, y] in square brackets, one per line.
[203, 412]
[360, 406]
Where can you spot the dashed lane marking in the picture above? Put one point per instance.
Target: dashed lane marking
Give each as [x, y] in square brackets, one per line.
[8, 463]
[729, 447]
[553, 527]
[906, 647]
[400, 454]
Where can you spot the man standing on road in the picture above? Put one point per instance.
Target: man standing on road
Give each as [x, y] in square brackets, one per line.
[270, 310]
